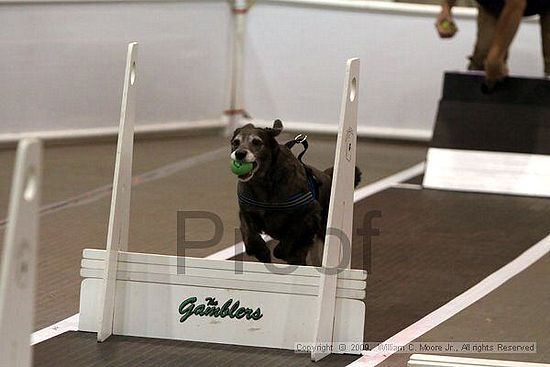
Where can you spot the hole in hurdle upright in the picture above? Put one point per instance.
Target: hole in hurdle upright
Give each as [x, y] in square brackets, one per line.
[18, 277]
[149, 295]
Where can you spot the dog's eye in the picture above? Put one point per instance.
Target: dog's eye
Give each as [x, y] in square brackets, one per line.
[256, 142]
[236, 142]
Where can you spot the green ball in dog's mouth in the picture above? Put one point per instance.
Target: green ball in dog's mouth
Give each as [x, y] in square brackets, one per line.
[241, 168]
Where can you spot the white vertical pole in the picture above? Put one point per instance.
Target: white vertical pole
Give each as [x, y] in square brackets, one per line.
[18, 277]
[337, 250]
[117, 237]
[238, 34]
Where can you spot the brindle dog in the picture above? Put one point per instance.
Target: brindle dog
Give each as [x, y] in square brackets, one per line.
[276, 176]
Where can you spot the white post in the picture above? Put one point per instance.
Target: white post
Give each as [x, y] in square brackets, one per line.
[117, 237]
[238, 33]
[337, 250]
[18, 277]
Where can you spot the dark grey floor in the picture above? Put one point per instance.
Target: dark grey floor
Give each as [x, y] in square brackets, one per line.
[421, 232]
[433, 245]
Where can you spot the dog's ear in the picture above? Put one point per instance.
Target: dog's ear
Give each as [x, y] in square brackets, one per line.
[238, 130]
[276, 129]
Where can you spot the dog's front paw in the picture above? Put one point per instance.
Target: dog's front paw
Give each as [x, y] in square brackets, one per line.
[263, 255]
[281, 252]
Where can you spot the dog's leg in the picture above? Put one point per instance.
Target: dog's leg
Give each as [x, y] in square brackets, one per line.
[256, 246]
[283, 249]
[294, 250]
[287, 245]
[298, 256]
[299, 236]
[300, 248]
[315, 253]
[253, 242]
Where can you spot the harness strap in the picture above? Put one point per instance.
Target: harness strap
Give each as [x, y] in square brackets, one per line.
[311, 179]
[299, 139]
[294, 202]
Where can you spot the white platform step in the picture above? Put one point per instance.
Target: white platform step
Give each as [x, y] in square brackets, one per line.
[492, 172]
[430, 360]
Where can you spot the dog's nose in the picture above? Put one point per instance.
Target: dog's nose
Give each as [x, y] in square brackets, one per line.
[240, 154]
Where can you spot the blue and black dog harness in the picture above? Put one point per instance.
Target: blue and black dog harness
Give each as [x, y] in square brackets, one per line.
[295, 201]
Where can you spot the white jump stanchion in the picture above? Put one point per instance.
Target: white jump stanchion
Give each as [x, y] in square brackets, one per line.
[117, 236]
[238, 33]
[434, 360]
[18, 277]
[337, 251]
[215, 301]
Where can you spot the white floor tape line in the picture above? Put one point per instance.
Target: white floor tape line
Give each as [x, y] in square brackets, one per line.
[445, 312]
[63, 326]
[231, 251]
[408, 186]
[389, 181]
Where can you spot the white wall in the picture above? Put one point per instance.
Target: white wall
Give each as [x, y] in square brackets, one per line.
[62, 64]
[296, 59]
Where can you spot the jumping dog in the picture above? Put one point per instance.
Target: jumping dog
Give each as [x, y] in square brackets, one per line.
[280, 196]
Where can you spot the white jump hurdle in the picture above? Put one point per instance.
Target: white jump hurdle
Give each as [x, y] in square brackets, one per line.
[149, 295]
[340, 214]
[434, 360]
[119, 217]
[18, 277]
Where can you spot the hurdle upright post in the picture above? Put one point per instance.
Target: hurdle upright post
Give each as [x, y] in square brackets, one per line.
[337, 249]
[119, 217]
[18, 277]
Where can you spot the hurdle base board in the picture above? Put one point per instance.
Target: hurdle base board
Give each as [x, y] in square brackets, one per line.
[193, 263]
[221, 282]
[489, 172]
[198, 272]
[433, 360]
[144, 309]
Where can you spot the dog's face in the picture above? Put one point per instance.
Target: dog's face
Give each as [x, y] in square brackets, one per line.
[255, 145]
